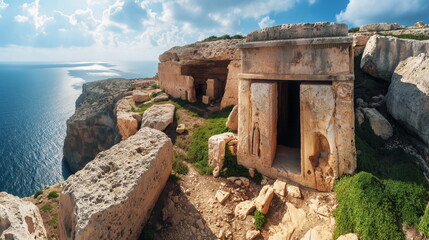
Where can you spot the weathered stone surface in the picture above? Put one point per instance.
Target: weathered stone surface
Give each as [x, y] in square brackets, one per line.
[243, 209]
[280, 187]
[126, 120]
[92, 128]
[318, 233]
[222, 196]
[379, 124]
[252, 234]
[206, 99]
[161, 97]
[230, 96]
[379, 27]
[140, 96]
[158, 116]
[382, 54]
[111, 198]
[349, 236]
[217, 148]
[263, 201]
[180, 128]
[420, 24]
[216, 50]
[19, 219]
[408, 95]
[232, 122]
[293, 191]
[293, 220]
[300, 30]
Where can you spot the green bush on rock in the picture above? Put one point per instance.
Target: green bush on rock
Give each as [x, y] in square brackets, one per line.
[259, 219]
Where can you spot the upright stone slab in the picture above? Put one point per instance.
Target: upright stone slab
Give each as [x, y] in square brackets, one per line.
[112, 197]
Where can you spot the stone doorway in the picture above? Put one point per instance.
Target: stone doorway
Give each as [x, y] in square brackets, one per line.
[288, 151]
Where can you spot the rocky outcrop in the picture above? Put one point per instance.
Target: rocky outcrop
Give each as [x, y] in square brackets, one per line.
[19, 219]
[93, 128]
[377, 27]
[217, 150]
[383, 54]
[379, 125]
[408, 95]
[126, 120]
[300, 30]
[202, 69]
[112, 196]
[158, 116]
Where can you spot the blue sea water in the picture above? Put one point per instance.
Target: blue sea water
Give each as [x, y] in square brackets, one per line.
[35, 102]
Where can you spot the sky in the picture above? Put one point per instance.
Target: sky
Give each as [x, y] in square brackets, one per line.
[140, 30]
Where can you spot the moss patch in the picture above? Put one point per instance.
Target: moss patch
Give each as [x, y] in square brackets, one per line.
[259, 219]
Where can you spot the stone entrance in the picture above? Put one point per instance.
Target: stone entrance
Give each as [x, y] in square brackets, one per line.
[296, 117]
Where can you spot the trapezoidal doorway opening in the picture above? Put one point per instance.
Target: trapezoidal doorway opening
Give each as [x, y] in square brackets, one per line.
[288, 151]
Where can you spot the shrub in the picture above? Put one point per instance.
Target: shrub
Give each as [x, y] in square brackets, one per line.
[38, 193]
[198, 151]
[355, 29]
[155, 86]
[46, 208]
[408, 36]
[424, 223]
[53, 194]
[366, 208]
[155, 94]
[226, 36]
[259, 219]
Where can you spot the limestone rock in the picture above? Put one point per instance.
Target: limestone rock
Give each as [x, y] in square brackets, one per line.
[263, 201]
[420, 24]
[252, 234]
[140, 96]
[158, 116]
[243, 209]
[293, 220]
[349, 236]
[376, 27]
[293, 191]
[161, 97]
[383, 54]
[112, 196]
[216, 50]
[240, 181]
[206, 99]
[126, 120]
[408, 95]
[279, 187]
[180, 128]
[359, 116]
[222, 196]
[317, 233]
[301, 30]
[93, 128]
[232, 122]
[20, 219]
[379, 124]
[217, 148]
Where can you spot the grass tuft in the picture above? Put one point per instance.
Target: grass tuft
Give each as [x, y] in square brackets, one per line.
[53, 194]
[38, 193]
[259, 219]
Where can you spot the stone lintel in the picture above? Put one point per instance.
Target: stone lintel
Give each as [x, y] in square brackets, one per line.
[297, 77]
[295, 42]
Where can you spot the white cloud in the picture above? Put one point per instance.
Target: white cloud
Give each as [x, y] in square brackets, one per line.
[20, 18]
[32, 9]
[266, 22]
[3, 5]
[311, 2]
[361, 12]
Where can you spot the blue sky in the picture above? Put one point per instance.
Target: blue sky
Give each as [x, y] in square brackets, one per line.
[120, 30]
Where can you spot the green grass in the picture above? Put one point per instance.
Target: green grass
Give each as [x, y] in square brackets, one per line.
[198, 150]
[53, 221]
[366, 208]
[38, 193]
[408, 36]
[226, 36]
[424, 224]
[178, 165]
[53, 194]
[192, 109]
[46, 208]
[259, 219]
[154, 86]
[233, 169]
[155, 94]
[353, 30]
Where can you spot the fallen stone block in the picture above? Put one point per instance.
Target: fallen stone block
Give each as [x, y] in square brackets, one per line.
[222, 196]
[263, 201]
[113, 195]
[180, 128]
[293, 191]
[140, 96]
[243, 209]
[280, 187]
[379, 124]
[158, 116]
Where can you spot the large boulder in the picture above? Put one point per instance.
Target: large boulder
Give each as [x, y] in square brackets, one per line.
[377, 27]
[113, 195]
[19, 219]
[126, 120]
[379, 124]
[158, 116]
[93, 128]
[382, 54]
[408, 95]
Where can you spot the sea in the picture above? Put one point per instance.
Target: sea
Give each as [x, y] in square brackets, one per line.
[36, 99]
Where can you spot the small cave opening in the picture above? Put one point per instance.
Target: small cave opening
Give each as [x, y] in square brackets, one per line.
[209, 78]
[288, 151]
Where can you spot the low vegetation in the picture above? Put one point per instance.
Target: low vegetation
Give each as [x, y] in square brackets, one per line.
[259, 219]
[353, 30]
[38, 193]
[226, 36]
[155, 94]
[53, 221]
[46, 207]
[178, 165]
[53, 194]
[408, 36]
